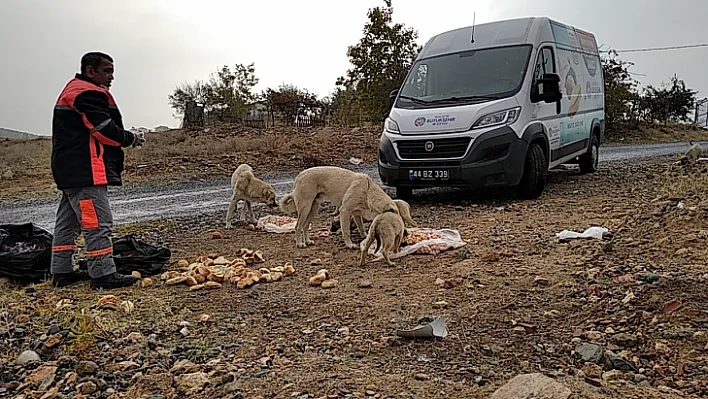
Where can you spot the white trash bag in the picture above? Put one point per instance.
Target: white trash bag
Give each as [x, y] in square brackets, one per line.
[276, 224]
[448, 239]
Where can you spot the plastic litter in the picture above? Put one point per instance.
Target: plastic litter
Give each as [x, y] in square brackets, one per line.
[267, 223]
[592, 232]
[25, 252]
[428, 327]
[450, 239]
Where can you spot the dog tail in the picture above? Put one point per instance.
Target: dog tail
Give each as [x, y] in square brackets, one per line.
[410, 222]
[378, 243]
[287, 204]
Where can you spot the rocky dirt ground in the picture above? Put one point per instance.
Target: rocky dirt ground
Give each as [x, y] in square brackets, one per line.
[621, 317]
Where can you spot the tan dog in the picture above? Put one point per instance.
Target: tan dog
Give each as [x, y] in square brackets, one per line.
[403, 209]
[248, 188]
[338, 186]
[363, 196]
[388, 229]
[312, 187]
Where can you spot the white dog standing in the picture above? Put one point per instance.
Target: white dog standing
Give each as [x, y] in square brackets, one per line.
[248, 188]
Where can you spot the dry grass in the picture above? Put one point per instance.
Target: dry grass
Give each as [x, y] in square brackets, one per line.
[693, 182]
[659, 134]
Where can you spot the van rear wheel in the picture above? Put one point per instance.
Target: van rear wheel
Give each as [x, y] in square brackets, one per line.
[533, 179]
[589, 161]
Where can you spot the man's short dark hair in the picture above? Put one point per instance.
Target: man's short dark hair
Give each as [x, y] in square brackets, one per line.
[93, 59]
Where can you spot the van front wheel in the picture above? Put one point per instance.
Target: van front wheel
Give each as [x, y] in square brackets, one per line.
[404, 193]
[533, 179]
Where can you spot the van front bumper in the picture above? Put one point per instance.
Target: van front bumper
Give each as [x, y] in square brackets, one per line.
[495, 158]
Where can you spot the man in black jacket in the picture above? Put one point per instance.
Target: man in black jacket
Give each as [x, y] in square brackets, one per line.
[87, 136]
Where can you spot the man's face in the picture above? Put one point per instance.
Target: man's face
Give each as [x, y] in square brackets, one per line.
[103, 76]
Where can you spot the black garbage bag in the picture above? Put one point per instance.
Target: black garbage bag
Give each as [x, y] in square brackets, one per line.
[133, 254]
[25, 252]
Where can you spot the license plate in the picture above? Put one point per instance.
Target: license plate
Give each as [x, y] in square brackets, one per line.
[429, 174]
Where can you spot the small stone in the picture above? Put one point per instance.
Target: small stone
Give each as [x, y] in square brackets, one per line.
[42, 376]
[86, 368]
[592, 370]
[440, 304]
[421, 377]
[365, 284]
[54, 340]
[625, 340]
[191, 383]
[590, 353]
[27, 357]
[535, 385]
[87, 388]
[594, 335]
[216, 235]
[612, 375]
[51, 394]
[541, 281]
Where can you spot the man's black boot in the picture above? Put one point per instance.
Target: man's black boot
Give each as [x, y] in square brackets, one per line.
[111, 281]
[63, 279]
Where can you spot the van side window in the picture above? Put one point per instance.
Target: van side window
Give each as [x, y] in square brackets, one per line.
[545, 63]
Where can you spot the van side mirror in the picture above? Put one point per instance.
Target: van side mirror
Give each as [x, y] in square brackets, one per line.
[551, 88]
[392, 97]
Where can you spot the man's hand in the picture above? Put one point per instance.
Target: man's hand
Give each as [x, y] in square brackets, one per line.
[139, 139]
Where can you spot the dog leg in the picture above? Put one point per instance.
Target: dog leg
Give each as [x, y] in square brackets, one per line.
[345, 222]
[308, 223]
[365, 251]
[251, 218]
[358, 219]
[397, 244]
[302, 226]
[230, 211]
[386, 258]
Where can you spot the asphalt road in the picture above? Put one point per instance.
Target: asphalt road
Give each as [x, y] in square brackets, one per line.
[192, 199]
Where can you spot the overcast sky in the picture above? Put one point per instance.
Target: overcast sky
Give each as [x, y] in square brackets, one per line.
[158, 44]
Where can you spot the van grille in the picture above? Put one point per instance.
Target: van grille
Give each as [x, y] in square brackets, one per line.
[442, 148]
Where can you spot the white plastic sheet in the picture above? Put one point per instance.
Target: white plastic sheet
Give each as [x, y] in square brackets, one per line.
[449, 239]
[267, 223]
[592, 232]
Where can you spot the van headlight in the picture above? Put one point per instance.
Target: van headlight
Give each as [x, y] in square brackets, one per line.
[391, 126]
[506, 117]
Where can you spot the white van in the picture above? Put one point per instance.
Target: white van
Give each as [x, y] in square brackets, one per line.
[497, 104]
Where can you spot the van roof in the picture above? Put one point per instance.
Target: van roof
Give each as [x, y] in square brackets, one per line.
[529, 30]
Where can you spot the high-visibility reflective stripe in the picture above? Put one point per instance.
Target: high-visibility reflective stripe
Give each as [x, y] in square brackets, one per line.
[89, 219]
[101, 125]
[99, 252]
[64, 248]
[98, 168]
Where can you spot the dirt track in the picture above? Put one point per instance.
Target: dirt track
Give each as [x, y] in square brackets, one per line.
[195, 199]
[515, 300]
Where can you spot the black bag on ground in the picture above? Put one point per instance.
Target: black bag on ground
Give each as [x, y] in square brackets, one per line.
[25, 252]
[132, 254]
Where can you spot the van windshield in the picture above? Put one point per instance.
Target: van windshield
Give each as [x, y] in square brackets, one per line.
[465, 77]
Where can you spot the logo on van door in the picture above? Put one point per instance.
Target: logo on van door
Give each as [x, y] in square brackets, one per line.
[420, 121]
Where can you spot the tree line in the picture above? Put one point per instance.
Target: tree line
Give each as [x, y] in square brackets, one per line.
[379, 64]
